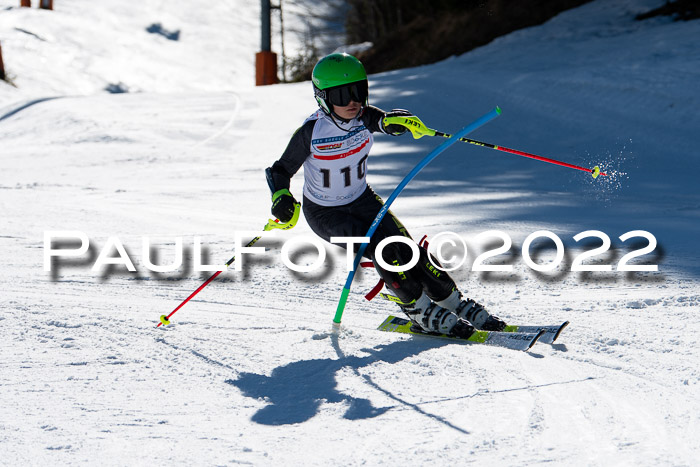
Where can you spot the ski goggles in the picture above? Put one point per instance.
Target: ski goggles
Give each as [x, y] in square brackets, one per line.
[342, 95]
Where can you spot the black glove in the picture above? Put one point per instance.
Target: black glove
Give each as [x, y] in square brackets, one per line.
[283, 205]
[395, 129]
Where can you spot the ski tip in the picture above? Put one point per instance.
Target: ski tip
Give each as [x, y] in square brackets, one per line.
[561, 328]
[535, 339]
[498, 110]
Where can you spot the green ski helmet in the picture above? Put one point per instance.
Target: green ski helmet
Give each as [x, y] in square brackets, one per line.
[339, 78]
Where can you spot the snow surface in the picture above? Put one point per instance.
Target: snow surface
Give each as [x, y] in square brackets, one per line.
[250, 372]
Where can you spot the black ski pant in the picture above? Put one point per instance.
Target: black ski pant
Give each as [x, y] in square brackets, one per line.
[354, 220]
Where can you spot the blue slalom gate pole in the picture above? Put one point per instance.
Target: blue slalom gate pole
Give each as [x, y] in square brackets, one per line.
[426, 160]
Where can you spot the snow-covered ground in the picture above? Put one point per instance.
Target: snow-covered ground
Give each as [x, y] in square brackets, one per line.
[249, 371]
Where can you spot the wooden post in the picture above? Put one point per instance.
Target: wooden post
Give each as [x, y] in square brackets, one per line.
[25, 3]
[2, 66]
[265, 68]
[46, 4]
[265, 60]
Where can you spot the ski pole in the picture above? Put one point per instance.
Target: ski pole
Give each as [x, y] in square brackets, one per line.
[418, 129]
[271, 224]
[380, 215]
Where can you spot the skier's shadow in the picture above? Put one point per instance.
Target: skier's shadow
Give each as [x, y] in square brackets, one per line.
[296, 391]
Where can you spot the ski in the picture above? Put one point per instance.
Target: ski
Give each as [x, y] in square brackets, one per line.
[514, 340]
[551, 333]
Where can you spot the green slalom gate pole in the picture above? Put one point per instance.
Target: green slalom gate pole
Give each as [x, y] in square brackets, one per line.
[418, 129]
[433, 154]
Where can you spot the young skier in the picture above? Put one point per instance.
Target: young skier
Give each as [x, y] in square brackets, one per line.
[333, 145]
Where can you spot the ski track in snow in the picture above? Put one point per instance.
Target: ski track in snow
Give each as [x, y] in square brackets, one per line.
[9, 112]
[250, 371]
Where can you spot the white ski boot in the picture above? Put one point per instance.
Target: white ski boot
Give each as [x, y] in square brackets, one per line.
[473, 312]
[431, 318]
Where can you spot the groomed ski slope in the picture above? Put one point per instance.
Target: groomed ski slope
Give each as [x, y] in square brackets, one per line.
[250, 372]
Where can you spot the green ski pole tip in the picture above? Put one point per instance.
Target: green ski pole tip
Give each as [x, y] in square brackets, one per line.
[498, 110]
[595, 172]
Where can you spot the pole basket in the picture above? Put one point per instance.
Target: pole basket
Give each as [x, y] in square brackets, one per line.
[265, 68]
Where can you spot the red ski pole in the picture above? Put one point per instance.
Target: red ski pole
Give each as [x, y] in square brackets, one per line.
[418, 129]
[595, 171]
[272, 224]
